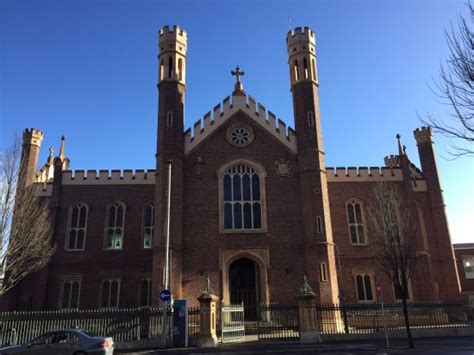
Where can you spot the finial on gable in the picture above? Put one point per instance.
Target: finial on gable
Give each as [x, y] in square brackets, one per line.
[401, 151]
[62, 148]
[238, 87]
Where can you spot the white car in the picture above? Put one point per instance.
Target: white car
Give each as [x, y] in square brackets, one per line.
[71, 342]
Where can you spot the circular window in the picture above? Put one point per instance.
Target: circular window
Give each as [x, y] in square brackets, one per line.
[240, 136]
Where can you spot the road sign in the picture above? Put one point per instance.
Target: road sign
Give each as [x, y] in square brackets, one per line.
[165, 295]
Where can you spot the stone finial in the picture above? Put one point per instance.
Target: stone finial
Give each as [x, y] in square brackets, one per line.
[400, 149]
[305, 288]
[62, 153]
[50, 157]
[207, 289]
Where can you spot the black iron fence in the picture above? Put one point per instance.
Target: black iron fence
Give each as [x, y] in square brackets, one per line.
[122, 324]
[194, 323]
[278, 321]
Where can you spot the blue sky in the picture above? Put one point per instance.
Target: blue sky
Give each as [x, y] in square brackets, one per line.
[88, 69]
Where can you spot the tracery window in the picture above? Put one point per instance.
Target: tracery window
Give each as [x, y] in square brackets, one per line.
[364, 288]
[148, 225]
[77, 227]
[109, 293]
[242, 198]
[69, 294]
[355, 221]
[114, 227]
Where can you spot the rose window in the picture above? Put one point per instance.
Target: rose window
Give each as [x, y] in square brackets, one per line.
[240, 136]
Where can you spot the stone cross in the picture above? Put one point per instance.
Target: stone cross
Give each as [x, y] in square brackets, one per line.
[238, 73]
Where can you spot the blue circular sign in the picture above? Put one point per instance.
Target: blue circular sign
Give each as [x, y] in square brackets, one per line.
[165, 295]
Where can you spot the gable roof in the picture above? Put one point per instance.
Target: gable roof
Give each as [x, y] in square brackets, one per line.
[223, 111]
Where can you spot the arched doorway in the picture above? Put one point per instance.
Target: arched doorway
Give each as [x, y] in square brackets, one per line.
[244, 286]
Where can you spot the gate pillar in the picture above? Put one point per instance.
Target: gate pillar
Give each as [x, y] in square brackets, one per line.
[307, 315]
[208, 314]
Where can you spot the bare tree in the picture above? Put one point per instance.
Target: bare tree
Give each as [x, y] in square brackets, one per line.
[394, 226]
[456, 87]
[25, 225]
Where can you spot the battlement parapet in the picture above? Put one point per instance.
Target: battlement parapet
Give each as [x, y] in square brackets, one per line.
[108, 177]
[300, 35]
[392, 161]
[45, 174]
[363, 174]
[172, 35]
[423, 134]
[202, 128]
[32, 136]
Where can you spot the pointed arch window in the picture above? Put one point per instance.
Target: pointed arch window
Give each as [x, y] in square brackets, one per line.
[313, 65]
[148, 224]
[162, 69]
[114, 226]
[242, 200]
[305, 68]
[180, 69]
[77, 226]
[355, 220]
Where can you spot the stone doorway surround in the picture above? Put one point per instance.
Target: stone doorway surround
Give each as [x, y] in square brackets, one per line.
[260, 256]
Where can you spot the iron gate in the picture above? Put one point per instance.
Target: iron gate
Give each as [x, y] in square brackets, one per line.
[278, 321]
[232, 323]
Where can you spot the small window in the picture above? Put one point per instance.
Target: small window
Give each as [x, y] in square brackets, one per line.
[144, 296]
[305, 68]
[319, 225]
[76, 235]
[356, 222]
[162, 69]
[323, 272]
[313, 64]
[170, 67]
[310, 119]
[115, 224]
[169, 119]
[180, 69]
[109, 296]
[468, 263]
[69, 294]
[148, 225]
[398, 295]
[296, 70]
[364, 288]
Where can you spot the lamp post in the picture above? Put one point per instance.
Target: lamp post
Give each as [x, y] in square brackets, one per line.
[167, 256]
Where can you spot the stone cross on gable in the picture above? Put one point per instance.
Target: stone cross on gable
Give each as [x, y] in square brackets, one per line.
[237, 73]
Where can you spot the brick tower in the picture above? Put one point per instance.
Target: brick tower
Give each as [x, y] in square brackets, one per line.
[316, 219]
[442, 254]
[170, 148]
[32, 139]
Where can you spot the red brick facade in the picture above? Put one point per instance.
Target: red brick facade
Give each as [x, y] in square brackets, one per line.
[465, 262]
[304, 222]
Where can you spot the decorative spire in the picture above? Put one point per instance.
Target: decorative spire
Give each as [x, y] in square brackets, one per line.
[306, 289]
[401, 151]
[238, 87]
[207, 290]
[61, 150]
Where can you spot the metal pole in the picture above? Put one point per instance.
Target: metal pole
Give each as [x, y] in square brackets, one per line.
[168, 218]
[167, 258]
[387, 342]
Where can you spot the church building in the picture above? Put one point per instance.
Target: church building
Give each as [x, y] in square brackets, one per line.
[252, 206]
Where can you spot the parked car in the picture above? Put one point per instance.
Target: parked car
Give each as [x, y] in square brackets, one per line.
[71, 342]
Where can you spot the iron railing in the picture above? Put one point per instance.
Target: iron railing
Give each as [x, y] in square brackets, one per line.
[194, 324]
[278, 321]
[121, 324]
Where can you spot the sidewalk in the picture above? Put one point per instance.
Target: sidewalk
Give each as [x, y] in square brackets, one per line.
[457, 345]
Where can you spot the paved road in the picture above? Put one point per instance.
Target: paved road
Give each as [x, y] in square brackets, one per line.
[438, 346]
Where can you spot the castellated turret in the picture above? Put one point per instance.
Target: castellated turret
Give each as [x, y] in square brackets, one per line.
[172, 55]
[301, 45]
[32, 139]
[423, 134]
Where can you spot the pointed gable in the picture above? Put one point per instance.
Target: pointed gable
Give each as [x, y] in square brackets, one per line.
[224, 111]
